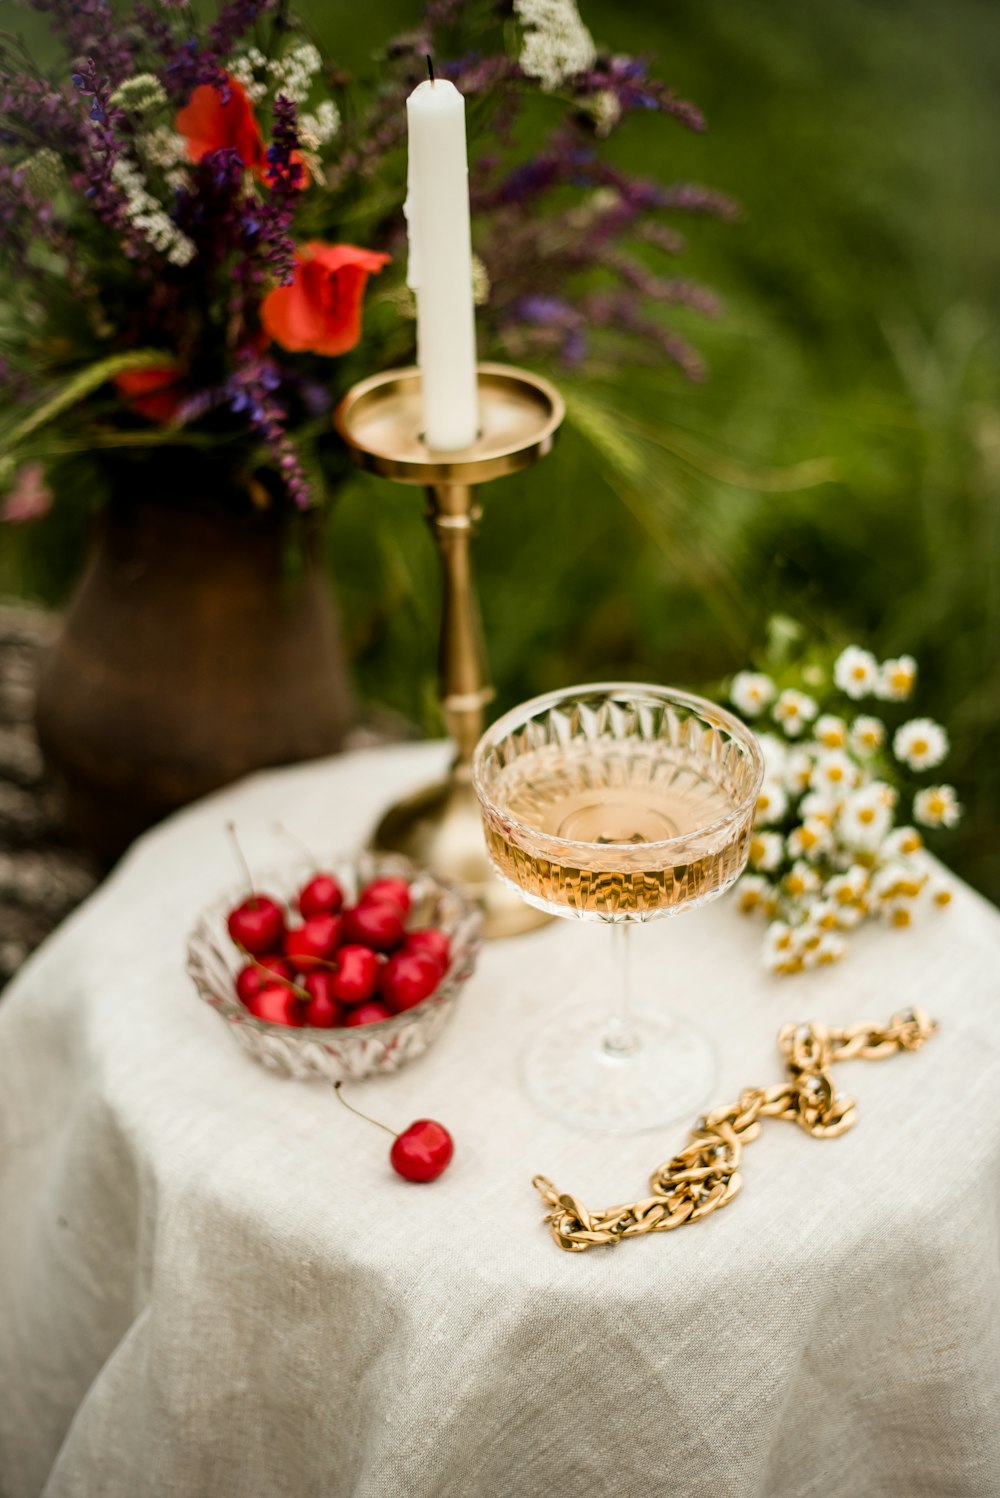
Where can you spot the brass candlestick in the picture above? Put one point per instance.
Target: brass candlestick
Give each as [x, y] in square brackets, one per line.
[380, 420]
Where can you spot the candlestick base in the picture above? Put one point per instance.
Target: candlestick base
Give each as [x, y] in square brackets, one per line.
[380, 420]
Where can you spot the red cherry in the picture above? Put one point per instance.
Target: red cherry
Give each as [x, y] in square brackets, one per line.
[317, 985]
[422, 1151]
[257, 925]
[356, 977]
[435, 943]
[321, 896]
[322, 1010]
[419, 1153]
[408, 978]
[367, 1014]
[313, 941]
[387, 892]
[277, 1004]
[252, 978]
[378, 925]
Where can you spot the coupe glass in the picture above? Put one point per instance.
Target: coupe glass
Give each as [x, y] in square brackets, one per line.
[619, 803]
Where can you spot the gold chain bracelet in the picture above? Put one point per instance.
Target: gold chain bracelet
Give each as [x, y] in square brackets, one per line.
[706, 1174]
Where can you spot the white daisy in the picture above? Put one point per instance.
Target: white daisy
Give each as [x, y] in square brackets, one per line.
[780, 949]
[823, 915]
[850, 887]
[896, 679]
[901, 843]
[801, 879]
[897, 881]
[766, 850]
[866, 735]
[921, 744]
[775, 754]
[772, 803]
[937, 806]
[819, 806]
[856, 672]
[793, 710]
[834, 772]
[798, 770]
[751, 893]
[810, 840]
[820, 948]
[864, 818]
[750, 692]
[831, 731]
[940, 892]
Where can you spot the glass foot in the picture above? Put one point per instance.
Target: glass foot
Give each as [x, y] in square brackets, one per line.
[570, 1073]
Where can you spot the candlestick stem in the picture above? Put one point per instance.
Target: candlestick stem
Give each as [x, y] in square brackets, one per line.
[381, 421]
[453, 514]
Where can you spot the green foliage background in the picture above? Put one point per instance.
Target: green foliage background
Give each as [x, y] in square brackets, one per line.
[843, 463]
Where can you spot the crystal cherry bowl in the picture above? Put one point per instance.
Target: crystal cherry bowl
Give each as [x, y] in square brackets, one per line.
[350, 1053]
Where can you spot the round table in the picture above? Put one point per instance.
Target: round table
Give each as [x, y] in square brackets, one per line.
[212, 1284]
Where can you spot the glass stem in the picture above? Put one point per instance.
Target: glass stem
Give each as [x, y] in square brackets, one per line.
[622, 1036]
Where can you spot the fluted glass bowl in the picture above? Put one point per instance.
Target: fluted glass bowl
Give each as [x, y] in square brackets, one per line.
[340, 1054]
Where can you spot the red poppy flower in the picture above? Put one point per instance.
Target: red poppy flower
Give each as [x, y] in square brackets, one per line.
[153, 393]
[320, 312]
[214, 118]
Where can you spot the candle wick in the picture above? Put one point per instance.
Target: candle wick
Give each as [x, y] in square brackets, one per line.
[430, 67]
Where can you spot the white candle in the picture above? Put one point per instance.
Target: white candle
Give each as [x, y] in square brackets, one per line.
[440, 263]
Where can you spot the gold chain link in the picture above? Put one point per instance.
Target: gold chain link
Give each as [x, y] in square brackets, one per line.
[706, 1174]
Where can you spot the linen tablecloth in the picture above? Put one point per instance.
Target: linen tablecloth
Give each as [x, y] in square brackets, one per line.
[212, 1284]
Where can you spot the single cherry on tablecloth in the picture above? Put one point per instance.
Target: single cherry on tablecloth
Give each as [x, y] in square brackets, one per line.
[421, 1152]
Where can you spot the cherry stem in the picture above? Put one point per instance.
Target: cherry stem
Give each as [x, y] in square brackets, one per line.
[241, 857]
[350, 1106]
[293, 837]
[262, 967]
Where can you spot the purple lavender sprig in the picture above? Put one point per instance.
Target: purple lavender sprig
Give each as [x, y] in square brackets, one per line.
[285, 183]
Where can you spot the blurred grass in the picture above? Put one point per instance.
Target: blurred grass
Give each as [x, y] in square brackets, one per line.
[859, 340]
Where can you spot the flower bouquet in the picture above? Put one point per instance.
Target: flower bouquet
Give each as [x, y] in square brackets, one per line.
[190, 215]
[832, 845]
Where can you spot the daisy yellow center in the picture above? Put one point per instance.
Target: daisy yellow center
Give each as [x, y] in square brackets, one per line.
[936, 806]
[919, 746]
[859, 672]
[835, 773]
[866, 814]
[900, 680]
